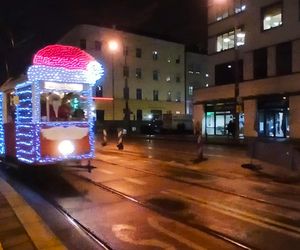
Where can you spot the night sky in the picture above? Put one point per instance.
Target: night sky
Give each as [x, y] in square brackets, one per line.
[35, 23]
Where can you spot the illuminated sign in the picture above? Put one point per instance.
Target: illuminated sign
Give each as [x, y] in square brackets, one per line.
[63, 86]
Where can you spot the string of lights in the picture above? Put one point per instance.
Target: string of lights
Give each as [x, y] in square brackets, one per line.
[29, 125]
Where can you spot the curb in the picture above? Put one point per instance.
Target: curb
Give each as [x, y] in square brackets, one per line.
[40, 234]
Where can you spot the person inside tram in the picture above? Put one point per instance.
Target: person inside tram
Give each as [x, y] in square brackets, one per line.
[64, 110]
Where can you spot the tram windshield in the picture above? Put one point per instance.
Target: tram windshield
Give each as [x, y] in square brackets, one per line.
[63, 106]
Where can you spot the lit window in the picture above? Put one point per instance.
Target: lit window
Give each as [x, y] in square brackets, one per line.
[168, 79]
[155, 55]
[226, 40]
[272, 16]
[198, 72]
[239, 6]
[138, 73]
[190, 72]
[178, 97]
[169, 97]
[206, 75]
[191, 88]
[169, 60]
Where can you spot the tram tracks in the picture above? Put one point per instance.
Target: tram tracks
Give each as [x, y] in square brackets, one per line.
[163, 213]
[71, 219]
[227, 192]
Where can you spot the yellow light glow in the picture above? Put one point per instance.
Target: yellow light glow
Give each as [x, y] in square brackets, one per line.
[113, 45]
[66, 147]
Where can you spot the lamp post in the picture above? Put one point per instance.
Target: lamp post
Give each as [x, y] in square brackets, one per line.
[113, 47]
[237, 36]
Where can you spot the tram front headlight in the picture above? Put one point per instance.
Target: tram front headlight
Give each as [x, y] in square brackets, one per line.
[66, 147]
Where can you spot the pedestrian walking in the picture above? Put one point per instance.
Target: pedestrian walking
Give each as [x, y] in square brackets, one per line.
[231, 128]
[104, 137]
[200, 141]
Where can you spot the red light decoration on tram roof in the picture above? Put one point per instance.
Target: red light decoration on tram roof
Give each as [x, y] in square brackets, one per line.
[67, 57]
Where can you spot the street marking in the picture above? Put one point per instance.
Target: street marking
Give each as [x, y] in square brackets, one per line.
[155, 224]
[246, 216]
[125, 233]
[106, 171]
[135, 181]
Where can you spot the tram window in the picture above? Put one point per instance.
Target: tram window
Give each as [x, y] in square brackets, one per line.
[63, 107]
[10, 108]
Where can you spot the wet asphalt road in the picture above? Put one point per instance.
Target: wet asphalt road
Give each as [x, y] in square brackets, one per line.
[152, 196]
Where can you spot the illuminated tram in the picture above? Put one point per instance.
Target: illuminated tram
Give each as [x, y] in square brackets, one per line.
[48, 118]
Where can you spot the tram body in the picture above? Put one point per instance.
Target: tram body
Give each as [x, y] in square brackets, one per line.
[49, 117]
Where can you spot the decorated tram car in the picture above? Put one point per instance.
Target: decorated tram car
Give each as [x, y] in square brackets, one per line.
[48, 117]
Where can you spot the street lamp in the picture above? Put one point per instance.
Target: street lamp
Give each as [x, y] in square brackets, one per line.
[113, 48]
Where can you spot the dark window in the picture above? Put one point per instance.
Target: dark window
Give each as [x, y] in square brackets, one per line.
[125, 50]
[271, 16]
[284, 58]
[100, 115]
[82, 44]
[139, 94]
[139, 114]
[178, 78]
[138, 73]
[126, 93]
[177, 60]
[99, 91]
[155, 75]
[260, 63]
[98, 45]
[155, 55]
[155, 95]
[229, 72]
[126, 71]
[138, 52]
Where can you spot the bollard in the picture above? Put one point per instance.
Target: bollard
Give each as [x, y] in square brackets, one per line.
[104, 139]
[200, 147]
[120, 145]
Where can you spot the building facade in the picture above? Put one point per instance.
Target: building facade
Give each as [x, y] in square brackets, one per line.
[143, 75]
[196, 76]
[254, 69]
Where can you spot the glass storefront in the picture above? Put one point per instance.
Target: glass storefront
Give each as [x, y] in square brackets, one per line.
[218, 116]
[273, 117]
[273, 123]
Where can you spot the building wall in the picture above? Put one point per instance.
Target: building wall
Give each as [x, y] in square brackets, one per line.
[251, 89]
[196, 76]
[168, 53]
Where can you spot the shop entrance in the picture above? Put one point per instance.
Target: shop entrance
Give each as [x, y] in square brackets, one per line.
[273, 117]
[273, 123]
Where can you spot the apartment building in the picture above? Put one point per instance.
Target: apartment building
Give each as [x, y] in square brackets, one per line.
[196, 76]
[143, 75]
[254, 69]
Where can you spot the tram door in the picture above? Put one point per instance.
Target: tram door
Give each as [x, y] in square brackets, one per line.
[9, 126]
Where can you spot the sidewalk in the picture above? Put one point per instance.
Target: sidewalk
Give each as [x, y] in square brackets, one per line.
[20, 226]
